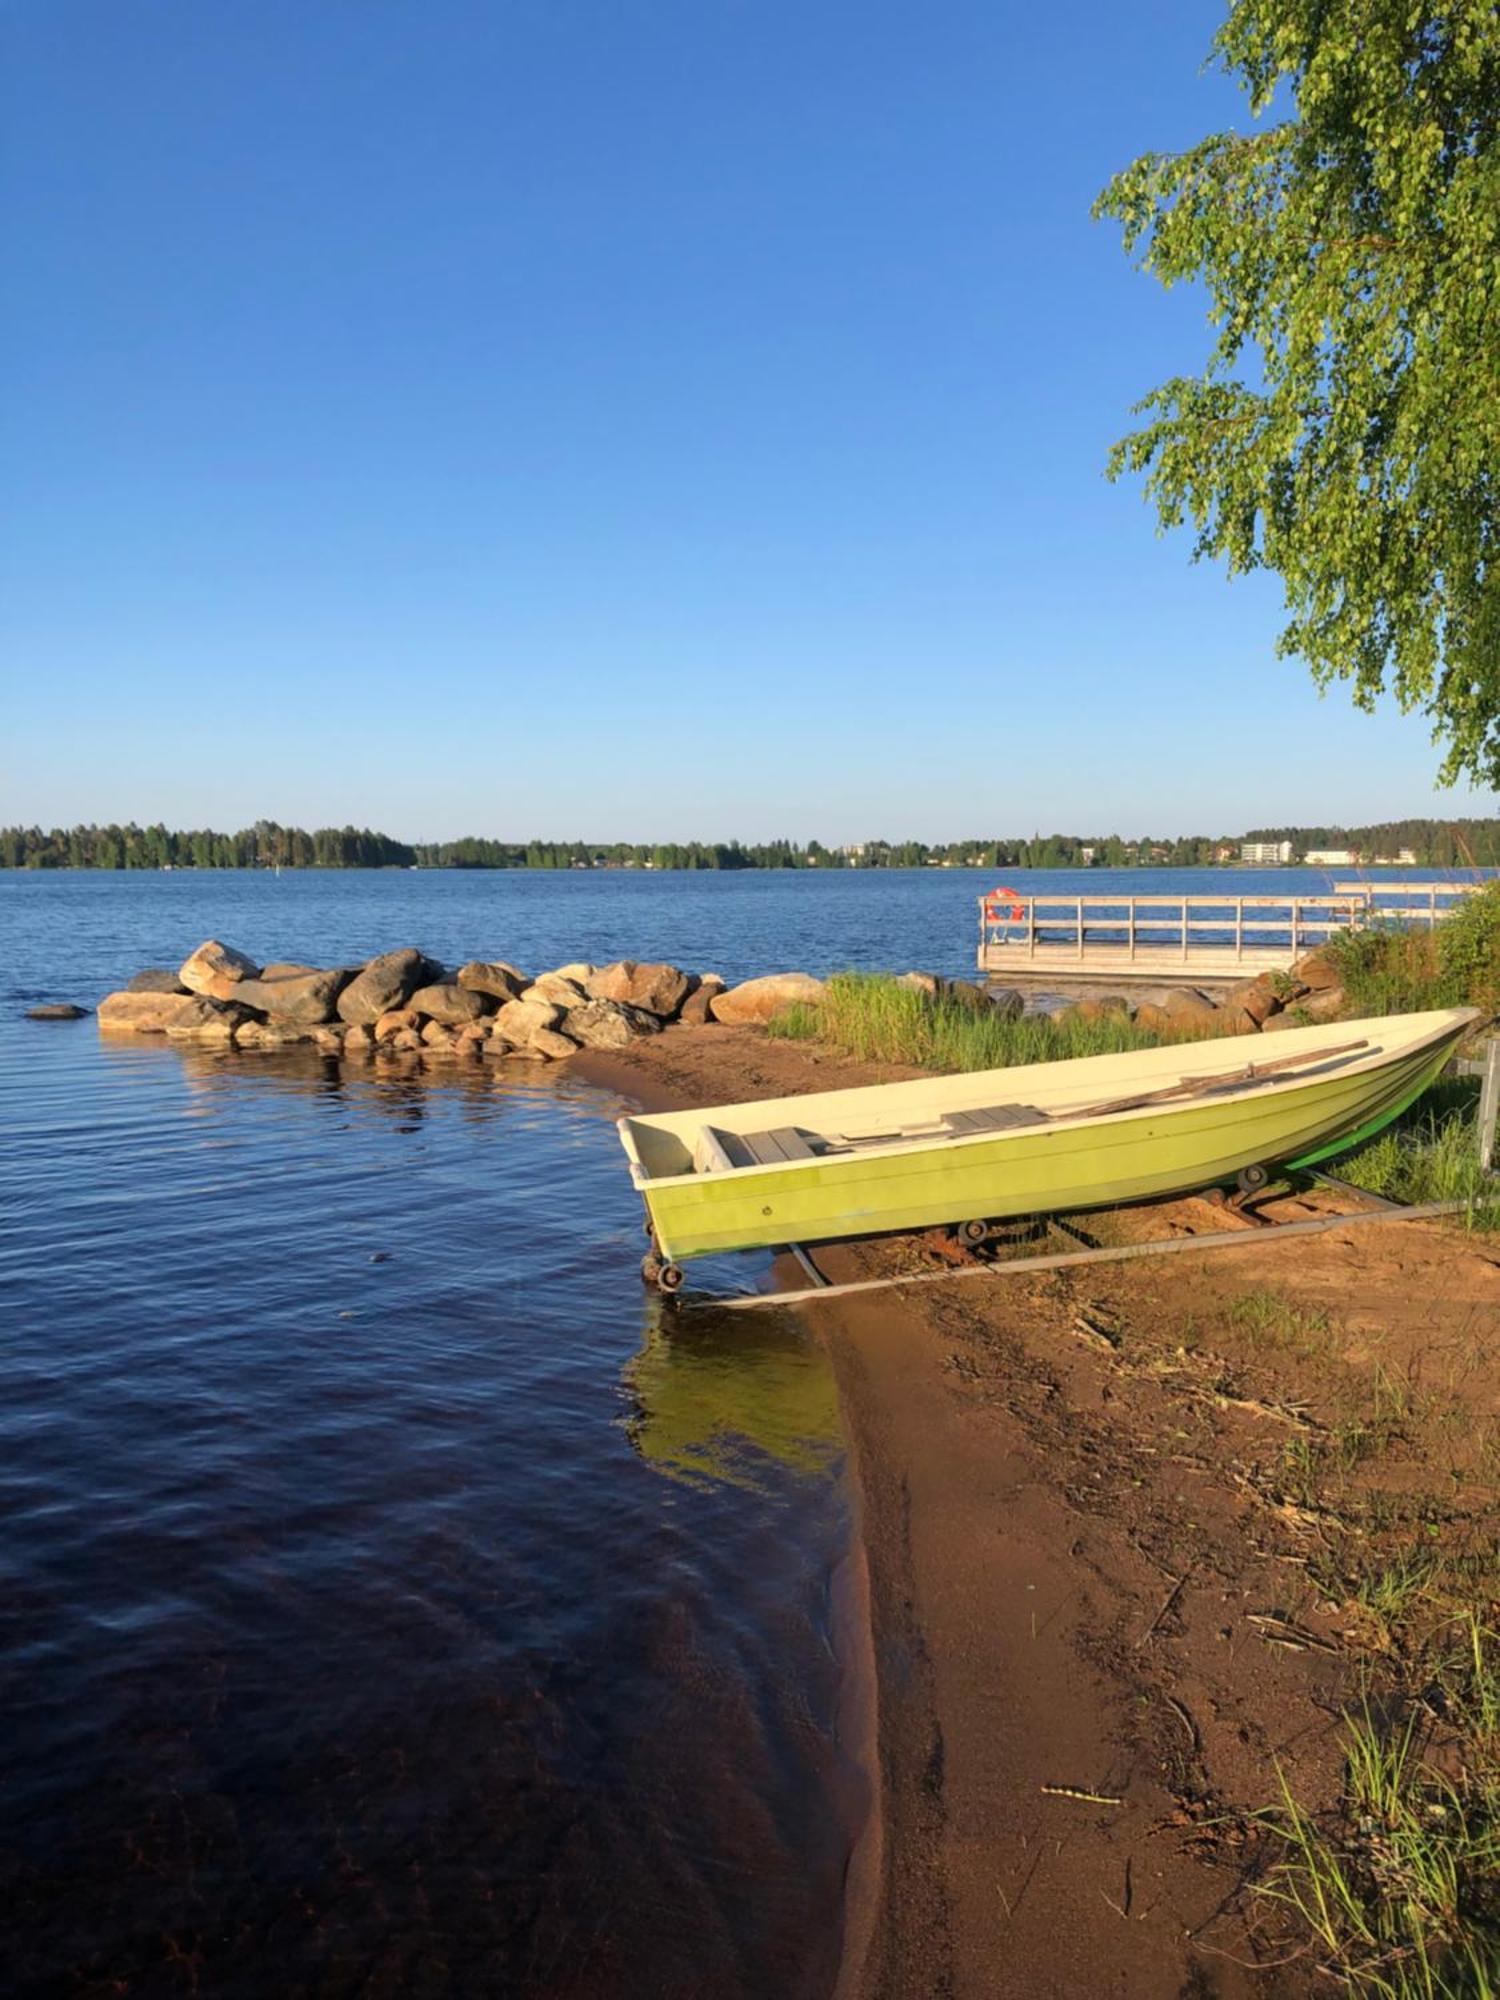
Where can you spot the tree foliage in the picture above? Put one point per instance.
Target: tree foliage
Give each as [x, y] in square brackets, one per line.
[1345, 431]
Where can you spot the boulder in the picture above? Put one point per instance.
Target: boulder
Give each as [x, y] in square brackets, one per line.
[1274, 1024]
[558, 989]
[1324, 1003]
[201, 1019]
[213, 960]
[357, 1041]
[330, 1039]
[605, 1024]
[383, 984]
[758, 1000]
[450, 1003]
[405, 1038]
[436, 1036]
[1006, 1001]
[548, 1042]
[144, 1013]
[390, 1025]
[924, 982]
[1102, 1007]
[964, 993]
[693, 1013]
[284, 969]
[518, 1020]
[155, 979]
[1236, 1021]
[1256, 996]
[1317, 972]
[1155, 1020]
[580, 972]
[57, 1010]
[654, 987]
[1185, 1004]
[296, 999]
[471, 1038]
[493, 976]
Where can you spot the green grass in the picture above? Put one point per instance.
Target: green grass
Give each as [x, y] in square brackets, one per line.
[1430, 1154]
[877, 1019]
[1401, 1888]
[1277, 1322]
[1388, 970]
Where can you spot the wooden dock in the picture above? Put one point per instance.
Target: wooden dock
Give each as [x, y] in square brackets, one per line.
[1187, 938]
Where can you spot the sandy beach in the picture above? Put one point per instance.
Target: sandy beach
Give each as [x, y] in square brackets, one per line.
[1112, 1520]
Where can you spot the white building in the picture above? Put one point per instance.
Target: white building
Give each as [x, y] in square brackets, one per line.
[1330, 857]
[1266, 853]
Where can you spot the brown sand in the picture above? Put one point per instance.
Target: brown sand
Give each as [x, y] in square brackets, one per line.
[1088, 1568]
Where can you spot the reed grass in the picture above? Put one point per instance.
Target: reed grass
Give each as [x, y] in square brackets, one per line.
[1401, 1888]
[1430, 1154]
[877, 1019]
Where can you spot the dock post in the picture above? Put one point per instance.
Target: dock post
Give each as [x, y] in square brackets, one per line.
[1489, 1105]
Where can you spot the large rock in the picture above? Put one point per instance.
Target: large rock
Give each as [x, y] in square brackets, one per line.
[57, 1010]
[155, 979]
[552, 1045]
[390, 1025]
[1009, 1004]
[1256, 996]
[605, 1024]
[518, 1020]
[212, 962]
[693, 1013]
[1186, 1005]
[1155, 1020]
[924, 982]
[558, 988]
[451, 1004]
[964, 993]
[1324, 1003]
[297, 999]
[383, 984]
[1317, 972]
[760, 1000]
[579, 971]
[204, 1020]
[655, 988]
[357, 1041]
[493, 976]
[144, 1013]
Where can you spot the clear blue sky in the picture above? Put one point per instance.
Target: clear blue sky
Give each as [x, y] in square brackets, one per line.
[640, 418]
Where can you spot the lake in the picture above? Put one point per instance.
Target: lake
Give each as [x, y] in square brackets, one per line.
[397, 1598]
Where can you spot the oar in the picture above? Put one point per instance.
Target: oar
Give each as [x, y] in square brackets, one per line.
[1193, 1086]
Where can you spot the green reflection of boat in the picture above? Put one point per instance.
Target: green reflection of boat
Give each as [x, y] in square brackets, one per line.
[711, 1408]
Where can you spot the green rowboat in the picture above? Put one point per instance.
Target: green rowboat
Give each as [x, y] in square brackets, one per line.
[1036, 1139]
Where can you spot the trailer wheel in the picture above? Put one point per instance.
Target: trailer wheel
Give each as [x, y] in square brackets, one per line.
[669, 1278]
[1253, 1180]
[974, 1232]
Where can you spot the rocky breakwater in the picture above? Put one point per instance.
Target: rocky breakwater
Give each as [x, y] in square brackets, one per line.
[1311, 991]
[405, 1004]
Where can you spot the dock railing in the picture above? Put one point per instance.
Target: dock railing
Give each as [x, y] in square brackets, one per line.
[1205, 937]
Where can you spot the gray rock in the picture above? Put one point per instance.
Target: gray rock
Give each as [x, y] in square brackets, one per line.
[450, 1004]
[1006, 1001]
[605, 1024]
[518, 1020]
[297, 999]
[383, 984]
[57, 1010]
[493, 976]
[155, 979]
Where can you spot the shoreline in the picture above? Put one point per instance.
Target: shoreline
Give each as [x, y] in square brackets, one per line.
[1095, 1645]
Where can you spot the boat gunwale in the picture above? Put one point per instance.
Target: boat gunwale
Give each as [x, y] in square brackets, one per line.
[1378, 1058]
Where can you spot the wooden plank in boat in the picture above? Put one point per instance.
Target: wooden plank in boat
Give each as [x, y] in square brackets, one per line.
[769, 1149]
[993, 1118]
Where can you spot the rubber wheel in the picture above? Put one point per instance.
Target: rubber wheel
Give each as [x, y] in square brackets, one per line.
[669, 1278]
[1253, 1180]
[972, 1233]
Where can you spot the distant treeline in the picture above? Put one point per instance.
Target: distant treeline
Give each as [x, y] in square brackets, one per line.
[1434, 843]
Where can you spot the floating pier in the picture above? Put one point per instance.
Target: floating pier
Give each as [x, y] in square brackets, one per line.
[1200, 939]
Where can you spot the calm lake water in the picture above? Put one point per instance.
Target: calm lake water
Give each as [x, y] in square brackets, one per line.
[394, 1598]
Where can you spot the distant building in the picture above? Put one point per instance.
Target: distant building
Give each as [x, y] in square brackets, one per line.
[1266, 853]
[1086, 854]
[1330, 857]
[1405, 859]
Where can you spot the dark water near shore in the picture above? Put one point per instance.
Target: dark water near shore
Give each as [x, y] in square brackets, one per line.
[393, 1599]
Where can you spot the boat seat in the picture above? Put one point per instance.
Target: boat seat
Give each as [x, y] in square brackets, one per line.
[770, 1149]
[993, 1118]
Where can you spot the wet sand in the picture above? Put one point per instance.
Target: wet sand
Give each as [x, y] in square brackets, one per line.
[1093, 1641]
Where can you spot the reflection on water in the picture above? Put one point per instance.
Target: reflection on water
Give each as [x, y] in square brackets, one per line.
[718, 1401]
[350, 1642]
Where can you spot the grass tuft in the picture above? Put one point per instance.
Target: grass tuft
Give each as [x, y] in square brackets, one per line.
[877, 1019]
[1401, 1888]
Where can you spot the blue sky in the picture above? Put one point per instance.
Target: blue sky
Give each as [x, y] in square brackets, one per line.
[642, 418]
